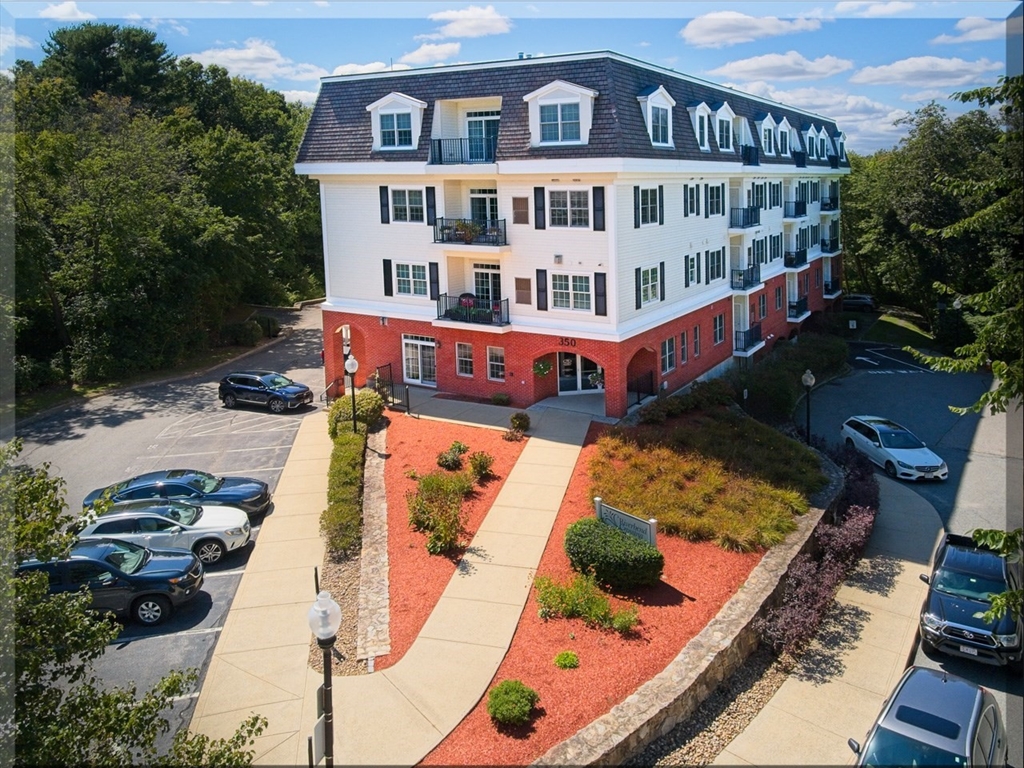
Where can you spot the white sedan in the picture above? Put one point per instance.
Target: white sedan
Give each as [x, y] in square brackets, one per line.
[894, 448]
[210, 531]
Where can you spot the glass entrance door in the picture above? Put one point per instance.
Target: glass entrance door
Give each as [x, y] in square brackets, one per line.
[482, 128]
[419, 360]
[574, 373]
[483, 205]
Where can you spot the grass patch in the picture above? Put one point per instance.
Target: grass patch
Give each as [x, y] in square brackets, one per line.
[902, 331]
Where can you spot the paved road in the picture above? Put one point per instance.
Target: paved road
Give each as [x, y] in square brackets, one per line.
[984, 457]
[178, 424]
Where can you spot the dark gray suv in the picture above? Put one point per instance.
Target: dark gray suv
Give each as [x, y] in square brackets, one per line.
[935, 718]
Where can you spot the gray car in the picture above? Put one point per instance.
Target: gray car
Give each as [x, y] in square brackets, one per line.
[935, 718]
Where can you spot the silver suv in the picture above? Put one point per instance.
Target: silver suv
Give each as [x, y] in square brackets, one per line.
[935, 718]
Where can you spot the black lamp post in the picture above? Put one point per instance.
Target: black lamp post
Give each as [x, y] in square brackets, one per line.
[808, 381]
[351, 366]
[324, 619]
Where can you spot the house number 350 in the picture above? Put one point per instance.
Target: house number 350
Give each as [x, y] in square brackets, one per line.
[567, 342]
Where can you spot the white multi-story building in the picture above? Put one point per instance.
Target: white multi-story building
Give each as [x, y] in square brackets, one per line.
[566, 224]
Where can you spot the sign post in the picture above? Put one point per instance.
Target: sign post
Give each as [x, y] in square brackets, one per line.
[645, 530]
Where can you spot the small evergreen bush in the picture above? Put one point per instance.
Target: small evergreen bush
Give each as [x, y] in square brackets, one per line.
[501, 398]
[511, 703]
[369, 409]
[450, 460]
[512, 435]
[581, 598]
[567, 660]
[617, 559]
[480, 464]
[520, 421]
[245, 334]
[269, 325]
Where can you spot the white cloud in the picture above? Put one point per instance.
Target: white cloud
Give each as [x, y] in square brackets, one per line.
[65, 12]
[306, 97]
[783, 66]
[260, 60]
[361, 69]
[928, 94]
[974, 29]
[871, 9]
[428, 53]
[9, 39]
[927, 71]
[722, 28]
[469, 22]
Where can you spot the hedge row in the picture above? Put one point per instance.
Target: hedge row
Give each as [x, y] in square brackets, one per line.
[341, 523]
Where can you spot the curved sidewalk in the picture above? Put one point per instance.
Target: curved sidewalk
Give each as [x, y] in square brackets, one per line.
[396, 716]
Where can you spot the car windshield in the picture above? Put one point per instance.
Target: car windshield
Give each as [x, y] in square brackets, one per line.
[969, 585]
[902, 439]
[127, 557]
[890, 748]
[274, 380]
[186, 514]
[205, 482]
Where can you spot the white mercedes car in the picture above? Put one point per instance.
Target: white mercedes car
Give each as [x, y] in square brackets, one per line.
[894, 448]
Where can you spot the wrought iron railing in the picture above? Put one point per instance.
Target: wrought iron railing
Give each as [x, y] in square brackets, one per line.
[470, 231]
[833, 161]
[745, 217]
[742, 279]
[744, 340]
[832, 286]
[478, 149]
[794, 209]
[796, 258]
[797, 308]
[830, 245]
[751, 155]
[830, 203]
[639, 388]
[467, 308]
[800, 159]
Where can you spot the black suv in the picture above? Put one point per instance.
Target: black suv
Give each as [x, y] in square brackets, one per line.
[265, 388]
[124, 578]
[963, 577]
[858, 302]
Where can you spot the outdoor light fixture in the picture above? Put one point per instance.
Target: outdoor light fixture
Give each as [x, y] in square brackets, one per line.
[808, 381]
[351, 366]
[324, 620]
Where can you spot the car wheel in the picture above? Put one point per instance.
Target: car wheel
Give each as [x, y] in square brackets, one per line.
[230, 401]
[849, 443]
[890, 469]
[151, 610]
[209, 551]
[277, 405]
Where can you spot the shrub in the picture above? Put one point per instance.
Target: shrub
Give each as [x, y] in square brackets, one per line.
[655, 413]
[520, 421]
[708, 394]
[617, 559]
[511, 702]
[581, 598]
[269, 325]
[567, 660]
[245, 334]
[30, 374]
[480, 464]
[450, 460]
[341, 522]
[501, 398]
[513, 435]
[436, 508]
[369, 409]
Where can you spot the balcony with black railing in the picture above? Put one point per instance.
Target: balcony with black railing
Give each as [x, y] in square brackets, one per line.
[479, 149]
[832, 287]
[830, 245]
[744, 340]
[800, 159]
[751, 155]
[743, 218]
[744, 279]
[467, 308]
[833, 161]
[470, 231]
[797, 308]
[794, 209]
[794, 259]
[829, 204]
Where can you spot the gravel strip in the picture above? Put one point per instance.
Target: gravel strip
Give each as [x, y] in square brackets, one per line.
[340, 577]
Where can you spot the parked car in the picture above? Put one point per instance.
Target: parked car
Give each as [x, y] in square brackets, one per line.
[124, 578]
[935, 718]
[894, 448]
[264, 388]
[251, 496]
[858, 302]
[210, 531]
[964, 575]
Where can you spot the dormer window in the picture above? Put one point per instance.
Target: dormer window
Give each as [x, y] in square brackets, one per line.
[821, 147]
[784, 137]
[659, 125]
[701, 116]
[724, 133]
[767, 124]
[396, 120]
[656, 105]
[560, 113]
[841, 146]
[702, 131]
[812, 143]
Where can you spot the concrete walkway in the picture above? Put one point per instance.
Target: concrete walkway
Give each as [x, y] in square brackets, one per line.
[861, 652]
[260, 662]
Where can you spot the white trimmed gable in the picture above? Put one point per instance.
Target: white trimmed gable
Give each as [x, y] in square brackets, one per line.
[725, 129]
[840, 139]
[662, 100]
[766, 129]
[395, 105]
[697, 112]
[785, 129]
[556, 93]
[811, 141]
[824, 144]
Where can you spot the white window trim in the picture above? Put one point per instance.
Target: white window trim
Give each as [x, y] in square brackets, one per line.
[768, 124]
[654, 288]
[659, 98]
[811, 143]
[784, 126]
[840, 141]
[725, 112]
[654, 221]
[460, 358]
[701, 109]
[718, 329]
[396, 103]
[421, 190]
[569, 191]
[665, 369]
[412, 280]
[504, 364]
[561, 92]
[572, 292]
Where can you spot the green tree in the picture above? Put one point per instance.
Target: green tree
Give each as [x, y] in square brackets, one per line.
[1009, 545]
[63, 714]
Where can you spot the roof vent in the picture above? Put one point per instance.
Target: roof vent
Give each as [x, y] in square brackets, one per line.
[520, 54]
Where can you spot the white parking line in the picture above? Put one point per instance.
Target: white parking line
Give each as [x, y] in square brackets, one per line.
[236, 572]
[897, 360]
[231, 450]
[186, 697]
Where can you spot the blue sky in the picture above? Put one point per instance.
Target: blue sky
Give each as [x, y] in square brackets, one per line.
[863, 63]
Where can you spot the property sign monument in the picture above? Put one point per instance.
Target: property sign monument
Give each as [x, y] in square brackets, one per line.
[645, 530]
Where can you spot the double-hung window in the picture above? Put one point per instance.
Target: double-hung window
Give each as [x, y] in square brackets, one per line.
[778, 297]
[691, 270]
[570, 208]
[716, 265]
[396, 129]
[668, 354]
[683, 351]
[702, 131]
[769, 147]
[715, 200]
[696, 341]
[783, 142]
[464, 359]
[821, 147]
[496, 363]
[411, 279]
[690, 199]
[648, 206]
[570, 292]
[725, 135]
[762, 306]
[559, 122]
[718, 326]
[659, 125]
[649, 285]
[407, 205]
[775, 195]
[757, 197]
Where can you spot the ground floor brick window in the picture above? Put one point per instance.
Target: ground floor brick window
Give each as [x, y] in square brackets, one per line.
[496, 363]
[464, 359]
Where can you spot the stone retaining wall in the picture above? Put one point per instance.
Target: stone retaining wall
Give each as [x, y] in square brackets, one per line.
[720, 649]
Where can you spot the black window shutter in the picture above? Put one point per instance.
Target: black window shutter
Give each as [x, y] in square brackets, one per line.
[706, 193]
[723, 200]
[600, 294]
[636, 280]
[707, 267]
[636, 209]
[696, 199]
[435, 283]
[686, 271]
[431, 207]
[661, 280]
[696, 258]
[661, 204]
[388, 288]
[599, 209]
[542, 286]
[686, 200]
[385, 207]
[539, 209]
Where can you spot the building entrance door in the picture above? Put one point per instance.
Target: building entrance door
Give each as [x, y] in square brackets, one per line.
[419, 360]
[574, 374]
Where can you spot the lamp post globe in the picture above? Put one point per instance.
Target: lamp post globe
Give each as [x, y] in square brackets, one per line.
[808, 381]
[351, 366]
[324, 620]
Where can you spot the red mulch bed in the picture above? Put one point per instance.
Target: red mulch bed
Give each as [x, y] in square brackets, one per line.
[698, 579]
